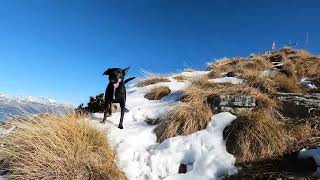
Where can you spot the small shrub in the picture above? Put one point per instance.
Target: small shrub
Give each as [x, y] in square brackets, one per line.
[96, 104]
[157, 93]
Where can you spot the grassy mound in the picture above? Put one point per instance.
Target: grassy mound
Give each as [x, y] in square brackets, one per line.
[256, 136]
[57, 147]
[157, 93]
[184, 120]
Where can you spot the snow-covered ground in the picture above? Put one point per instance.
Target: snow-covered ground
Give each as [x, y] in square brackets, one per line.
[142, 158]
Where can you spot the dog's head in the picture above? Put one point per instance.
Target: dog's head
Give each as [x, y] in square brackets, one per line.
[116, 75]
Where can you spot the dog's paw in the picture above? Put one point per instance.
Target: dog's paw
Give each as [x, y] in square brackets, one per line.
[120, 127]
[103, 121]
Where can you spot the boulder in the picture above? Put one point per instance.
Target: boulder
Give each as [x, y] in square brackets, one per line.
[276, 58]
[231, 74]
[235, 104]
[297, 105]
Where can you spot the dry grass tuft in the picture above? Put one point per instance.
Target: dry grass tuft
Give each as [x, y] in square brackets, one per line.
[57, 147]
[308, 67]
[185, 119]
[256, 136]
[157, 93]
[289, 70]
[201, 89]
[287, 85]
[264, 84]
[214, 73]
[152, 80]
[226, 65]
[304, 54]
[181, 78]
[253, 66]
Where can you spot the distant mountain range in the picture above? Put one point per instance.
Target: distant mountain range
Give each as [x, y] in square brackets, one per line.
[20, 105]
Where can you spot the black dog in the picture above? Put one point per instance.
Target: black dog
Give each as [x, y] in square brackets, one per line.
[116, 92]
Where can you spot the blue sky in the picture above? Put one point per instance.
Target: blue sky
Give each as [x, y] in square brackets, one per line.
[59, 49]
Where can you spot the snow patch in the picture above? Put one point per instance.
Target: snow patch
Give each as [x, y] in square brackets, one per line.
[232, 80]
[307, 83]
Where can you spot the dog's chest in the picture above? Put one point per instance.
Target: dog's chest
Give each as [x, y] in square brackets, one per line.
[117, 93]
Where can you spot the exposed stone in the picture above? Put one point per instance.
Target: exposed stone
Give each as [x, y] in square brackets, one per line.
[182, 169]
[232, 100]
[230, 74]
[236, 104]
[276, 58]
[300, 105]
[150, 121]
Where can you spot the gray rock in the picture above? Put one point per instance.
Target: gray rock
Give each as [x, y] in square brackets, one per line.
[296, 105]
[232, 100]
[235, 104]
[276, 58]
[231, 74]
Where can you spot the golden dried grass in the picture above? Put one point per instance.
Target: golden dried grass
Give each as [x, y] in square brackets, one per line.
[157, 93]
[57, 147]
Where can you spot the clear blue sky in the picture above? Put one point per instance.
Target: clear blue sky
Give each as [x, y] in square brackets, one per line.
[60, 48]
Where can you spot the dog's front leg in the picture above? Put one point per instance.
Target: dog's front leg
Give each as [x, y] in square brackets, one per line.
[123, 109]
[107, 111]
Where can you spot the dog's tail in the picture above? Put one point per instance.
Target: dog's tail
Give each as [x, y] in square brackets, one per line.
[127, 80]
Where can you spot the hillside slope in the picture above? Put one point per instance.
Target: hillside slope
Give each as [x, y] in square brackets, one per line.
[11, 106]
[203, 153]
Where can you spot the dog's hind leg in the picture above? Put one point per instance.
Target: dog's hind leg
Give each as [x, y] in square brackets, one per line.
[123, 109]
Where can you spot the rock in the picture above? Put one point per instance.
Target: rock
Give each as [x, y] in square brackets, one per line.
[151, 121]
[268, 73]
[307, 83]
[297, 105]
[236, 104]
[276, 58]
[230, 74]
[182, 169]
[232, 100]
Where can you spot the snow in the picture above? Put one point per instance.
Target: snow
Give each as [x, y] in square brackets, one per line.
[31, 99]
[232, 80]
[307, 83]
[194, 73]
[142, 158]
[311, 153]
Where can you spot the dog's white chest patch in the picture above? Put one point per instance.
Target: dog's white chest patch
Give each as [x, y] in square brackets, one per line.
[114, 93]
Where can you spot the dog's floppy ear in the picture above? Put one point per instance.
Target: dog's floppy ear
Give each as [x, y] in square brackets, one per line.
[125, 71]
[107, 72]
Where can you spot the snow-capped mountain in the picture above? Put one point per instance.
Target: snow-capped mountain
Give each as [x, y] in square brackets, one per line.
[26, 105]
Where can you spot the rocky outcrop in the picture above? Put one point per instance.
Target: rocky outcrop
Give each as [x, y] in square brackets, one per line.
[293, 105]
[235, 104]
[296, 105]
